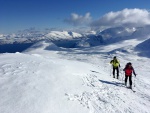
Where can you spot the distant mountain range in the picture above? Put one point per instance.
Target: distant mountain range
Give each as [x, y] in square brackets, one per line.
[32, 35]
[71, 39]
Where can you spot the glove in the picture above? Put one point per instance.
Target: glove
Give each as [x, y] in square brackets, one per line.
[135, 75]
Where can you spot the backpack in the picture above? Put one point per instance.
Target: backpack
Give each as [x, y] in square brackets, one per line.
[128, 71]
[115, 63]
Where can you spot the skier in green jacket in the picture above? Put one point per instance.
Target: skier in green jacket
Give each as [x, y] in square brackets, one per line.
[115, 64]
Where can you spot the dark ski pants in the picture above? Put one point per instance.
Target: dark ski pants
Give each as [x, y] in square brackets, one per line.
[130, 79]
[117, 69]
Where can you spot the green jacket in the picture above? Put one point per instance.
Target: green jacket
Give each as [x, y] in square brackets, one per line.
[115, 63]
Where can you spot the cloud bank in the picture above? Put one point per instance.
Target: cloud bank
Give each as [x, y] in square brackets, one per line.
[78, 20]
[127, 17]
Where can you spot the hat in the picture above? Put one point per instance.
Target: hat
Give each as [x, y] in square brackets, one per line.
[129, 63]
[114, 57]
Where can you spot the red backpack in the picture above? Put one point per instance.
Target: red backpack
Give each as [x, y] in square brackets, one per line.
[128, 71]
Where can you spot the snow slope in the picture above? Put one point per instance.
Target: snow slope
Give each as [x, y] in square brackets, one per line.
[143, 48]
[34, 84]
[50, 79]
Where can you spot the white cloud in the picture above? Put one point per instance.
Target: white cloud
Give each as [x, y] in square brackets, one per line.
[127, 17]
[76, 19]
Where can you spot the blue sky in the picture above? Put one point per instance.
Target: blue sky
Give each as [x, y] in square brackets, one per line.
[23, 14]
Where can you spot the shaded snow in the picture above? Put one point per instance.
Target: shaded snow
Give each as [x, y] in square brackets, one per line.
[143, 48]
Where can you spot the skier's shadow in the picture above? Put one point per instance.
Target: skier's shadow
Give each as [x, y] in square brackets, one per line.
[111, 83]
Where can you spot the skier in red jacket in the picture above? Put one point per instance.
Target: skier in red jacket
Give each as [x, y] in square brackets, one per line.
[128, 73]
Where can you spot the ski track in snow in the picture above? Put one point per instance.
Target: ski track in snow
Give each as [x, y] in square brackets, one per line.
[111, 96]
[106, 96]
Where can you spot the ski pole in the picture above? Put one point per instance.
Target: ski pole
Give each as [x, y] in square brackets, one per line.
[110, 70]
[134, 81]
[123, 73]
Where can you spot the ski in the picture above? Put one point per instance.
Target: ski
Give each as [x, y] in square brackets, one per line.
[133, 90]
[129, 88]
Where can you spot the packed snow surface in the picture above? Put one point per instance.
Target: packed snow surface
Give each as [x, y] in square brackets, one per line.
[50, 79]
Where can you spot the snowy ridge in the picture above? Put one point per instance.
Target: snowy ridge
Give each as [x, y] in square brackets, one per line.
[61, 80]
[144, 45]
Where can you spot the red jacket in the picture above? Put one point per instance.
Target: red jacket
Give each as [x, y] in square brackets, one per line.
[129, 70]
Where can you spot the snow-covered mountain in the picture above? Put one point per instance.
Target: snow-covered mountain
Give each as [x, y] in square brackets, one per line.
[50, 79]
[63, 71]
[9, 43]
[1, 36]
[57, 35]
[29, 36]
[107, 36]
[70, 39]
[117, 32]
